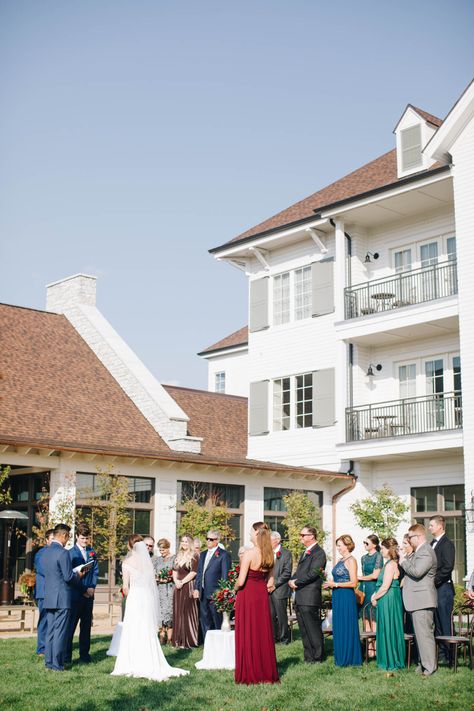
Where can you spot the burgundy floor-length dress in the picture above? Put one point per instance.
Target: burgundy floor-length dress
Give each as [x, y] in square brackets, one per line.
[185, 609]
[255, 658]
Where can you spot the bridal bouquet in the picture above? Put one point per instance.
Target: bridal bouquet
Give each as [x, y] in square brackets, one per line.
[233, 574]
[321, 573]
[165, 575]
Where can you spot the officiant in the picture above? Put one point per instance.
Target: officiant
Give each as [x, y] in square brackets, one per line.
[83, 600]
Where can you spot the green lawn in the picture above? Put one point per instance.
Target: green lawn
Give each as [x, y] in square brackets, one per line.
[26, 685]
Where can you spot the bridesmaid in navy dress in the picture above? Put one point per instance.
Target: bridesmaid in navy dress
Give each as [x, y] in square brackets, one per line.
[345, 618]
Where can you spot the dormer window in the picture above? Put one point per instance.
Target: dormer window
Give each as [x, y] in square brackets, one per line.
[411, 147]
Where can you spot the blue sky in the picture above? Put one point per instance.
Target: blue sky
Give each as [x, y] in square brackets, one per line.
[136, 134]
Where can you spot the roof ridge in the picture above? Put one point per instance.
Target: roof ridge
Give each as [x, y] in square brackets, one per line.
[204, 392]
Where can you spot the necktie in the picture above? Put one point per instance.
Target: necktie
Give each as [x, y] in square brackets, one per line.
[433, 543]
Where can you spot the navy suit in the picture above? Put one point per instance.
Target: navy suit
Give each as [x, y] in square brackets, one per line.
[59, 579]
[445, 557]
[207, 583]
[39, 597]
[82, 606]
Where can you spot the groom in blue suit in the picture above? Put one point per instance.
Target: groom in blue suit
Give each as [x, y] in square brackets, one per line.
[39, 594]
[214, 565]
[82, 600]
[58, 581]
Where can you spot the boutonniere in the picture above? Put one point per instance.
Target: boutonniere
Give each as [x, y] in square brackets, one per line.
[91, 554]
[308, 552]
[278, 555]
[217, 554]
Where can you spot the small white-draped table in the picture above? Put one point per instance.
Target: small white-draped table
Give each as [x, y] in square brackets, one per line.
[219, 651]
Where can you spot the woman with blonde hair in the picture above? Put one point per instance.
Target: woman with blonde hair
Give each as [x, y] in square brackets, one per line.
[139, 651]
[255, 658]
[185, 605]
[345, 618]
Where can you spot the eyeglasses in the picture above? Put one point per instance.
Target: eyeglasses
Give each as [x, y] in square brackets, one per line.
[211, 539]
[302, 535]
[149, 545]
[366, 543]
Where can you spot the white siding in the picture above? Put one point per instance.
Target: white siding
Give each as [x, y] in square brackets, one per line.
[235, 367]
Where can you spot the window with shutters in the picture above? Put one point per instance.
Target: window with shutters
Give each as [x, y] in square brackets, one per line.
[411, 147]
[281, 298]
[303, 293]
[304, 400]
[294, 401]
[281, 404]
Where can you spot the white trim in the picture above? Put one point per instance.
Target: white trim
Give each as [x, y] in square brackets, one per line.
[439, 145]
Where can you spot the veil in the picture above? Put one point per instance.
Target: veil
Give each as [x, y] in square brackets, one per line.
[139, 559]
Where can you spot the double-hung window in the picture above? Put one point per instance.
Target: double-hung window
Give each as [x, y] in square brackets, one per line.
[303, 293]
[293, 402]
[281, 404]
[281, 298]
[220, 382]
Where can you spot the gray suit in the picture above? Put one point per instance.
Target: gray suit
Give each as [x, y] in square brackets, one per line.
[420, 599]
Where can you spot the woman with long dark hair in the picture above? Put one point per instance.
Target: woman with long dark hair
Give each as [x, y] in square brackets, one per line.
[372, 564]
[255, 658]
[387, 598]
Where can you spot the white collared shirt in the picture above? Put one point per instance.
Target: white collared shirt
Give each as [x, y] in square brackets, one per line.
[276, 550]
[436, 540]
[311, 546]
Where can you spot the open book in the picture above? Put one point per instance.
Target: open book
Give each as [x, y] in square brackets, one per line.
[84, 568]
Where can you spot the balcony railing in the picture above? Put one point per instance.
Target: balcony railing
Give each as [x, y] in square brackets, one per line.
[414, 415]
[402, 289]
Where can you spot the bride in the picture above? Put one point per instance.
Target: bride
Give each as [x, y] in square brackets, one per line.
[140, 652]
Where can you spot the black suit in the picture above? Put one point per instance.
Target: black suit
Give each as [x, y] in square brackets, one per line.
[308, 602]
[279, 597]
[445, 556]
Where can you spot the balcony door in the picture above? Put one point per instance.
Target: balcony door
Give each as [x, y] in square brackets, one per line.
[434, 389]
[429, 256]
[407, 395]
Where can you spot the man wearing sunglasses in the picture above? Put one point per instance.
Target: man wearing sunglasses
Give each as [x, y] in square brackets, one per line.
[214, 564]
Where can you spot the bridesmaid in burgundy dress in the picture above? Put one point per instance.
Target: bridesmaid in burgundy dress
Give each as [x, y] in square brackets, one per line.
[255, 659]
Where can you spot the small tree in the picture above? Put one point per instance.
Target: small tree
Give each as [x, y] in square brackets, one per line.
[300, 511]
[109, 519]
[197, 520]
[381, 512]
[5, 491]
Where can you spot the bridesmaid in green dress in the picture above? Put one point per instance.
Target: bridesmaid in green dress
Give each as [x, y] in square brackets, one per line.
[372, 564]
[387, 598]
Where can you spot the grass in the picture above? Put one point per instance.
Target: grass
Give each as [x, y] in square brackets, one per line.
[25, 684]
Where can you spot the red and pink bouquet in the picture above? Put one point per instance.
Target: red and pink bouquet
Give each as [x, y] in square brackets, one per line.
[165, 575]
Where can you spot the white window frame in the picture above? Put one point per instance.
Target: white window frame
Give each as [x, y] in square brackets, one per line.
[415, 247]
[282, 422]
[282, 314]
[219, 381]
[293, 313]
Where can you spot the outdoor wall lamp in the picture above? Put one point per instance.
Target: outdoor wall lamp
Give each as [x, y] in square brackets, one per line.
[375, 255]
[370, 370]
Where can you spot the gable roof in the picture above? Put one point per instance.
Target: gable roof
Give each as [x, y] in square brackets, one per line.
[220, 419]
[428, 117]
[378, 173]
[238, 338]
[55, 390]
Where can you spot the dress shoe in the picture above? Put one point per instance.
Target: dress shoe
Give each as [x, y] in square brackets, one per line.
[419, 669]
[85, 660]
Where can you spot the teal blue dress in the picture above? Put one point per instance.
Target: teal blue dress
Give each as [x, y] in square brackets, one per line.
[390, 637]
[345, 625]
[369, 563]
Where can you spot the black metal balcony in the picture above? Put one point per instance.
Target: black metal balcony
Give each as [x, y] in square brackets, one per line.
[396, 418]
[402, 289]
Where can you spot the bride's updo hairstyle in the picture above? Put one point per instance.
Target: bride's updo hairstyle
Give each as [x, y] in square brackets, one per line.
[134, 538]
[264, 543]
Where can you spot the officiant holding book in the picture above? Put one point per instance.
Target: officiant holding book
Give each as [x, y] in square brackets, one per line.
[83, 600]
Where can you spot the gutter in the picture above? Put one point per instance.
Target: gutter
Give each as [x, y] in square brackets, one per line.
[336, 498]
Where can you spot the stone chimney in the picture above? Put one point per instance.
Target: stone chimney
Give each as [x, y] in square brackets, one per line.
[72, 291]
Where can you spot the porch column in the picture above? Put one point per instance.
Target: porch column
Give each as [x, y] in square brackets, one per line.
[253, 508]
[62, 492]
[341, 346]
[164, 511]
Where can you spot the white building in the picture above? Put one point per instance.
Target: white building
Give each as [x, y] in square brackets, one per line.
[361, 326]
[75, 398]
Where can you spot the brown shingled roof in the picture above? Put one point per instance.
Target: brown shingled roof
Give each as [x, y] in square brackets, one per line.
[55, 390]
[377, 174]
[238, 338]
[220, 419]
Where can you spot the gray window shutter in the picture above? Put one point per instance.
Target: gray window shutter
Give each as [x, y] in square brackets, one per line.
[258, 408]
[259, 304]
[324, 408]
[322, 277]
[411, 147]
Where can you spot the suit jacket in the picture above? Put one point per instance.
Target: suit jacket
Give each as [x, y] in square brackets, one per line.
[39, 583]
[90, 578]
[282, 573]
[308, 579]
[218, 568]
[419, 592]
[445, 556]
[58, 577]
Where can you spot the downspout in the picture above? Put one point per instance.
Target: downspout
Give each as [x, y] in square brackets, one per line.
[336, 498]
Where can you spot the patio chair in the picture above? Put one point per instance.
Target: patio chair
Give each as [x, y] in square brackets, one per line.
[460, 640]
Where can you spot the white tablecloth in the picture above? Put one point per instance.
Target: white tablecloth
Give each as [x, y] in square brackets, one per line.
[219, 651]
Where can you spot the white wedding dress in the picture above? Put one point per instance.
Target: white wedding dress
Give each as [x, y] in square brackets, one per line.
[139, 650]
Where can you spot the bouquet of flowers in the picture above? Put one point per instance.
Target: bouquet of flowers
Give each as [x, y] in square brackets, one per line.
[224, 597]
[165, 575]
[27, 581]
[233, 574]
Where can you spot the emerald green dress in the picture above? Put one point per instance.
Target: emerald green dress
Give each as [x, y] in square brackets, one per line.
[390, 637]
